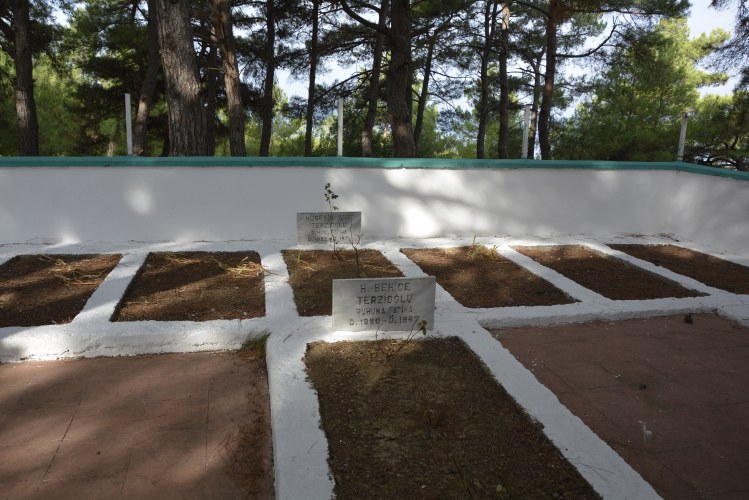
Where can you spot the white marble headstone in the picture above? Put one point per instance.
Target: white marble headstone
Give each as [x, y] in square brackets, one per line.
[314, 228]
[387, 304]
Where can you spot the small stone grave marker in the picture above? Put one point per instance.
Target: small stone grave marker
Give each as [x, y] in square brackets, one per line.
[314, 228]
[387, 304]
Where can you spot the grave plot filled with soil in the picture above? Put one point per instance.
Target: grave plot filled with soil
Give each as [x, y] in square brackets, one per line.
[705, 268]
[246, 446]
[611, 277]
[40, 290]
[480, 277]
[195, 286]
[668, 394]
[429, 422]
[311, 275]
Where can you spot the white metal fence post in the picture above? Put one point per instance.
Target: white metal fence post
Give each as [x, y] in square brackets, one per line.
[340, 126]
[682, 137]
[526, 126]
[128, 125]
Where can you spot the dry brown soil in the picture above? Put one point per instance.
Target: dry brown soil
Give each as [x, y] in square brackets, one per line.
[478, 276]
[195, 286]
[429, 422]
[44, 290]
[248, 454]
[311, 275]
[704, 268]
[611, 277]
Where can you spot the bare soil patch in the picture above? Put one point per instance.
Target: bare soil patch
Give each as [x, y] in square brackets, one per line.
[480, 277]
[40, 290]
[311, 275]
[248, 454]
[705, 268]
[195, 286]
[611, 277]
[668, 394]
[430, 422]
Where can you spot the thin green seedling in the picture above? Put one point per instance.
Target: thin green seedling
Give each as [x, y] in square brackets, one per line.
[330, 198]
[463, 480]
[477, 250]
[354, 240]
[390, 349]
[257, 342]
[474, 249]
[493, 253]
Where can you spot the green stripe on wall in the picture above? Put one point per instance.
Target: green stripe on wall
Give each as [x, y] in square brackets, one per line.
[335, 162]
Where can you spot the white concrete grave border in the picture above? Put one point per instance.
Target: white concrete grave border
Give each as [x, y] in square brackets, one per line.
[300, 445]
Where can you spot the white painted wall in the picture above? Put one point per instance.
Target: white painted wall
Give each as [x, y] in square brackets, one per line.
[116, 204]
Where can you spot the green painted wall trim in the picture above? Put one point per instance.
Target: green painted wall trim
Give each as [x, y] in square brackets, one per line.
[327, 162]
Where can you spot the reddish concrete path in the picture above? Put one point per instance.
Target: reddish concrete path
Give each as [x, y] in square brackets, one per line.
[131, 427]
[669, 396]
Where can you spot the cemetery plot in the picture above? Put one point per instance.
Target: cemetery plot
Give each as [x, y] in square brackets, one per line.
[195, 286]
[705, 268]
[668, 395]
[477, 276]
[311, 275]
[40, 290]
[434, 424]
[611, 277]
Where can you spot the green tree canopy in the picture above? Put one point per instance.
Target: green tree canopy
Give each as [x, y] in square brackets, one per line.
[636, 108]
[718, 133]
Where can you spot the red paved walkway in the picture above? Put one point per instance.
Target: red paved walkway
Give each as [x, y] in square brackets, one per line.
[670, 396]
[130, 427]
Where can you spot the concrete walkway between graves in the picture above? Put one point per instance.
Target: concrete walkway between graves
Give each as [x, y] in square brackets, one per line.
[155, 426]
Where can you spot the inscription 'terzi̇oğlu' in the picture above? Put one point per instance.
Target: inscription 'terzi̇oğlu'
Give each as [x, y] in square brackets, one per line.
[396, 293]
[394, 304]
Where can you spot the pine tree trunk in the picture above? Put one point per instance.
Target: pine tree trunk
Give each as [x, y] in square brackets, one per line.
[310, 114]
[544, 119]
[374, 84]
[28, 126]
[504, 88]
[223, 26]
[424, 94]
[187, 118]
[210, 95]
[270, 69]
[490, 20]
[148, 86]
[534, 109]
[399, 76]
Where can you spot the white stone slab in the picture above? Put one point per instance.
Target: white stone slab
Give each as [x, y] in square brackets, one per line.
[386, 304]
[315, 228]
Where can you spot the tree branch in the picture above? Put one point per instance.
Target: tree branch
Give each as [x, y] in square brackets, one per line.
[369, 24]
[591, 51]
[6, 29]
[531, 6]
